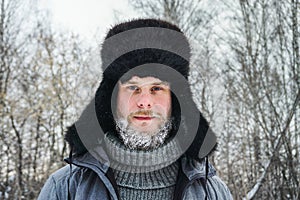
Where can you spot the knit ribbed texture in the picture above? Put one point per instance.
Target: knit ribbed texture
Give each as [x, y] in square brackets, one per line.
[139, 161]
[158, 184]
[144, 174]
[150, 180]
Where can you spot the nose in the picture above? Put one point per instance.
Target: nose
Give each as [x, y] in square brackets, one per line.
[144, 101]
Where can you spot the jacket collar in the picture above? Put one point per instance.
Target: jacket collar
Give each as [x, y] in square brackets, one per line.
[196, 169]
[100, 161]
[190, 170]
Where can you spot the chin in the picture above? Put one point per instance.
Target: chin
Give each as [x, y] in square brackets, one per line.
[145, 131]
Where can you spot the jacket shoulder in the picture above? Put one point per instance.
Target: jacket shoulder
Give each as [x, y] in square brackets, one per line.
[214, 189]
[56, 186]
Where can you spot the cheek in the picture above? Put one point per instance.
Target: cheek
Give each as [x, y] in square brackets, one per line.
[125, 105]
[164, 105]
[168, 108]
[130, 104]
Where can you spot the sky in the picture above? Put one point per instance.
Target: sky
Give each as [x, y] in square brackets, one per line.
[87, 17]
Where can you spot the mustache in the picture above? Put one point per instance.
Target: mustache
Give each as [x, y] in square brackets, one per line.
[149, 113]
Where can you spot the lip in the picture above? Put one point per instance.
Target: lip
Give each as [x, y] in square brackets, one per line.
[143, 117]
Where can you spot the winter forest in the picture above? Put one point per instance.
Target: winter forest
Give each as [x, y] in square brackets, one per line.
[245, 77]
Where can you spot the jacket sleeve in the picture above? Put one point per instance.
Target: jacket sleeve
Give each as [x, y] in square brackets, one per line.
[217, 189]
[49, 190]
[214, 189]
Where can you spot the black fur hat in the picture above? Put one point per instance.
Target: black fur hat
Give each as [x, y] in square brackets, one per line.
[144, 42]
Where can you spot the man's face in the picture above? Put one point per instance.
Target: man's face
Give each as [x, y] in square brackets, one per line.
[144, 104]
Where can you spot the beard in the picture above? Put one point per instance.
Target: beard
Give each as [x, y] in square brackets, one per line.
[138, 140]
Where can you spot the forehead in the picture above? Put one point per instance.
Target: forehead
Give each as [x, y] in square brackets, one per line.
[145, 80]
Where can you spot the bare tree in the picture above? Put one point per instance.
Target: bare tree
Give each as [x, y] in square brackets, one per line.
[43, 94]
[12, 51]
[262, 83]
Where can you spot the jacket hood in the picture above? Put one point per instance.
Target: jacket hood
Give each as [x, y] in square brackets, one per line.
[144, 47]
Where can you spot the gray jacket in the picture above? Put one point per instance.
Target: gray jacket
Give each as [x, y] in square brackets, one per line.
[91, 179]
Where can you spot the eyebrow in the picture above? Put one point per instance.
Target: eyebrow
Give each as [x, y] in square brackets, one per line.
[155, 83]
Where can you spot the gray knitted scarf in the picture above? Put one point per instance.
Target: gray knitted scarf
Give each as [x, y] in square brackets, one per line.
[142, 174]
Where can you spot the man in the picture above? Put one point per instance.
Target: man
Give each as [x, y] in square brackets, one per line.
[152, 142]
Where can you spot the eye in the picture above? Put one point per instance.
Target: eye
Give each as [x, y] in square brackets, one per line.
[133, 88]
[156, 88]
